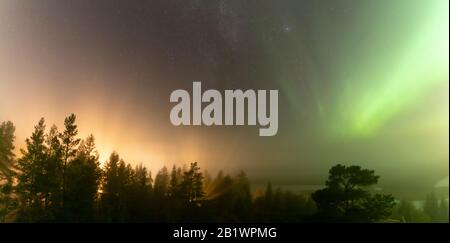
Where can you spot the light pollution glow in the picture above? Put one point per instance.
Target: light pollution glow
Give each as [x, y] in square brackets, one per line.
[366, 81]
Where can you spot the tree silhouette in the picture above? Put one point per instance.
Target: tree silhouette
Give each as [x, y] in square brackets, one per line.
[406, 212]
[32, 176]
[53, 169]
[83, 176]
[7, 200]
[7, 137]
[443, 211]
[58, 178]
[175, 180]
[192, 185]
[110, 189]
[69, 143]
[431, 207]
[161, 183]
[138, 195]
[346, 196]
[242, 199]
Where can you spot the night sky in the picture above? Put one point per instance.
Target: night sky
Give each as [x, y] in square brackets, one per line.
[360, 81]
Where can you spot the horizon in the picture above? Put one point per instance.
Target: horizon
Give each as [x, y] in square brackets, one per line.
[298, 184]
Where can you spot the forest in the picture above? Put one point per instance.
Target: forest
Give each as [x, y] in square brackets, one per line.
[58, 178]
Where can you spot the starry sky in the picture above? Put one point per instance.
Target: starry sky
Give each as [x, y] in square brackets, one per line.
[360, 81]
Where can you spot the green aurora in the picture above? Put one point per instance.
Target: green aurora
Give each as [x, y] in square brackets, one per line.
[389, 58]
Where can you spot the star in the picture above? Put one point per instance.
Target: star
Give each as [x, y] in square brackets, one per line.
[287, 29]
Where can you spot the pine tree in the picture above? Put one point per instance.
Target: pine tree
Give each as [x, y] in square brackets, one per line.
[138, 195]
[346, 198]
[110, 189]
[53, 166]
[198, 183]
[161, 185]
[125, 180]
[111, 185]
[242, 199]
[431, 207]
[69, 143]
[174, 182]
[7, 138]
[192, 184]
[32, 173]
[82, 180]
[443, 211]
[7, 201]
[269, 197]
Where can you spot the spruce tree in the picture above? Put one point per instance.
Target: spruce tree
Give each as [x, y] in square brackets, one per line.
[69, 143]
[32, 173]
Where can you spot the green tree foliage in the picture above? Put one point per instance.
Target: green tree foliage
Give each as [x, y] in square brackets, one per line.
[347, 198]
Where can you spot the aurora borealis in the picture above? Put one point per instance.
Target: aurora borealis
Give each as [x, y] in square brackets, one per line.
[360, 81]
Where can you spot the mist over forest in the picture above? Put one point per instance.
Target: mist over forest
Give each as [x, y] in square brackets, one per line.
[58, 178]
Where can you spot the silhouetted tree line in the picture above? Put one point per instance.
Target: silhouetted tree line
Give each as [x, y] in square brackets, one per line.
[58, 178]
[433, 210]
